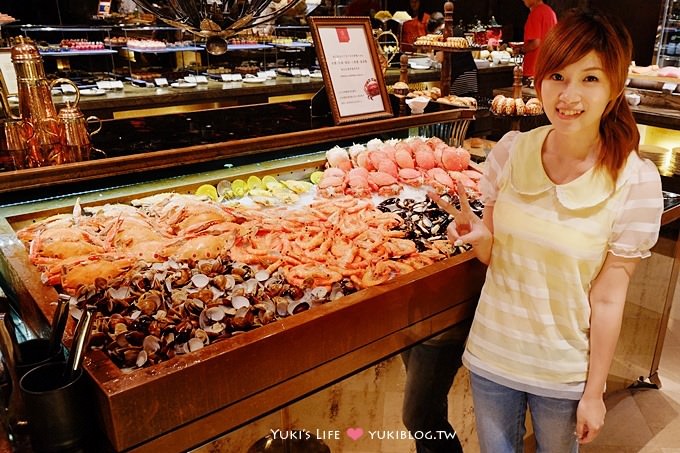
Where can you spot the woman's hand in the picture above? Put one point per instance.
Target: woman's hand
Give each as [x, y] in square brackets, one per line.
[466, 227]
[589, 418]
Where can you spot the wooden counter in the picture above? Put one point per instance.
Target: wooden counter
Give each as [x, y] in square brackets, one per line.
[189, 399]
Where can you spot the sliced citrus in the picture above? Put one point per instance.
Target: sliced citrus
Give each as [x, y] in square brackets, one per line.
[316, 177]
[254, 182]
[207, 190]
[269, 179]
[298, 186]
[259, 193]
[224, 189]
[239, 187]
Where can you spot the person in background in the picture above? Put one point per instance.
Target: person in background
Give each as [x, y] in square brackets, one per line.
[570, 209]
[541, 20]
[362, 8]
[417, 26]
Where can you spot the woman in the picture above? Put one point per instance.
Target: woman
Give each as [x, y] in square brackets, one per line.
[570, 210]
[417, 26]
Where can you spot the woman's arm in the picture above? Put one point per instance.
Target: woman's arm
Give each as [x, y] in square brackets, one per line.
[607, 299]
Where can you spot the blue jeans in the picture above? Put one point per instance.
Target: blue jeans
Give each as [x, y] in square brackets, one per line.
[500, 413]
[430, 370]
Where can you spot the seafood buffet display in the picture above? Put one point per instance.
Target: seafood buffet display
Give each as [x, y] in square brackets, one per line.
[172, 273]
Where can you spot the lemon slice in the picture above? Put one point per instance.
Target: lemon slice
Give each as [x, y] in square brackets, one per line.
[207, 190]
[298, 186]
[239, 187]
[286, 196]
[255, 182]
[316, 177]
[269, 180]
[256, 192]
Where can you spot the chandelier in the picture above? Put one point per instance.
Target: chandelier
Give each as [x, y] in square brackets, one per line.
[216, 20]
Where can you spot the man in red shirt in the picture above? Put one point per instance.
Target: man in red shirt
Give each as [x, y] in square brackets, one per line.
[541, 19]
[417, 26]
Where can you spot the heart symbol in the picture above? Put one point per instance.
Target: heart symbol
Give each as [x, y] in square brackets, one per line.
[355, 433]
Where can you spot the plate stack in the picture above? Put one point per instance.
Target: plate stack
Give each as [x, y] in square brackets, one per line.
[662, 157]
[675, 160]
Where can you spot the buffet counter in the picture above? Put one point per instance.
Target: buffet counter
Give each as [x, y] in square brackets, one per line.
[191, 398]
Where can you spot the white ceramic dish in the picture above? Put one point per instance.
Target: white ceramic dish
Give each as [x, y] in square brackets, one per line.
[183, 85]
[92, 92]
[420, 63]
[253, 79]
[633, 99]
[482, 63]
[417, 105]
[316, 75]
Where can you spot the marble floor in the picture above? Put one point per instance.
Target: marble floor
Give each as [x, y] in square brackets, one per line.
[646, 420]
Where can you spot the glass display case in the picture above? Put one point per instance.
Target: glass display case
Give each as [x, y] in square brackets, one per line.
[668, 35]
[82, 54]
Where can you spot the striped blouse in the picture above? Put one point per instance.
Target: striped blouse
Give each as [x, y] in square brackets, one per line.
[531, 328]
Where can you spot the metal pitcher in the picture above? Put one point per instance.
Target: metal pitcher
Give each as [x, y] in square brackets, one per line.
[16, 140]
[35, 102]
[75, 136]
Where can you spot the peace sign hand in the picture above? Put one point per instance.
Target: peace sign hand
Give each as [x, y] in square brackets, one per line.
[466, 226]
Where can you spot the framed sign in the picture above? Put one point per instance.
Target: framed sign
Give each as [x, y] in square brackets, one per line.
[7, 71]
[348, 57]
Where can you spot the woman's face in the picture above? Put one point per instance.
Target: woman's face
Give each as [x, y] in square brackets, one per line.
[575, 97]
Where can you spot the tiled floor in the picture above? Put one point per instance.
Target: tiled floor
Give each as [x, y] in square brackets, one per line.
[646, 420]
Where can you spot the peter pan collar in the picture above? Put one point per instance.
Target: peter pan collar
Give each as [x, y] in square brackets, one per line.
[528, 177]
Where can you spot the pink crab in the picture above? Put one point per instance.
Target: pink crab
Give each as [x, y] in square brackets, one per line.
[425, 158]
[411, 176]
[455, 159]
[357, 183]
[384, 183]
[440, 180]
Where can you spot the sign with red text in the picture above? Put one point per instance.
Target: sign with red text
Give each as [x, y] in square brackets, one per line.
[348, 57]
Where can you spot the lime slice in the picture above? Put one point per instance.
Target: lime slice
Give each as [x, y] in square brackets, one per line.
[316, 177]
[207, 190]
[239, 187]
[255, 182]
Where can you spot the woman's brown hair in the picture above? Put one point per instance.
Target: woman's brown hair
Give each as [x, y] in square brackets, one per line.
[576, 34]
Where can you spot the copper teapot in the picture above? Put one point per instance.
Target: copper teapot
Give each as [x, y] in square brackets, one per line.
[74, 133]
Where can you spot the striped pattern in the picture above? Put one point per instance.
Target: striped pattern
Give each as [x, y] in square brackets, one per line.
[531, 327]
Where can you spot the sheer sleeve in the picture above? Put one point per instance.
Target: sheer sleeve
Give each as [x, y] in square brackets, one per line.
[493, 168]
[636, 228]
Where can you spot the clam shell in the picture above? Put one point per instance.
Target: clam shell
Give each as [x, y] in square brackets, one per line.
[262, 276]
[200, 280]
[239, 302]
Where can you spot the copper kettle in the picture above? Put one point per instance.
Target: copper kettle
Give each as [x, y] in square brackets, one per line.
[74, 133]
